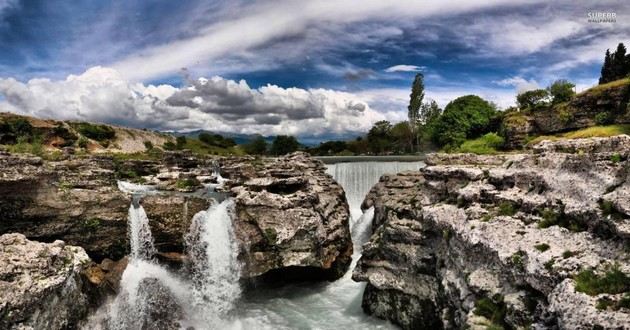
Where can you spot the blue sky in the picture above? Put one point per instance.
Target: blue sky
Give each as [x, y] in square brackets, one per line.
[323, 69]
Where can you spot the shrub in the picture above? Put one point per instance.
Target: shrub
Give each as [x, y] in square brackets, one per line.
[542, 247]
[568, 254]
[82, 142]
[187, 183]
[148, 145]
[94, 131]
[487, 144]
[284, 144]
[168, 145]
[507, 208]
[602, 118]
[493, 311]
[615, 158]
[20, 126]
[518, 258]
[612, 281]
[180, 142]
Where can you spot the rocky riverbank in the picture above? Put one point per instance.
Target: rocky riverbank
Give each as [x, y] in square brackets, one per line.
[290, 220]
[537, 239]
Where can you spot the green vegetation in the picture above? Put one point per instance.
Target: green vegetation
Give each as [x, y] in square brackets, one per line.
[492, 309]
[518, 258]
[616, 65]
[30, 145]
[568, 254]
[561, 91]
[507, 208]
[485, 145]
[593, 131]
[549, 264]
[271, 235]
[91, 224]
[187, 183]
[612, 281]
[615, 158]
[558, 218]
[148, 145]
[542, 247]
[284, 144]
[216, 140]
[257, 146]
[607, 303]
[95, 132]
[463, 118]
[533, 99]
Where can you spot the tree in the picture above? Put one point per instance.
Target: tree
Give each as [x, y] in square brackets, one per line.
[257, 146]
[616, 65]
[402, 136]
[284, 144]
[180, 142]
[415, 102]
[561, 91]
[532, 99]
[465, 117]
[379, 136]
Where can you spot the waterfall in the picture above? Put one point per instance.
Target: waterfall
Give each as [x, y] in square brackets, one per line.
[140, 237]
[213, 251]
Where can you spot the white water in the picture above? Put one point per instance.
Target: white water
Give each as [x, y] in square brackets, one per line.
[209, 298]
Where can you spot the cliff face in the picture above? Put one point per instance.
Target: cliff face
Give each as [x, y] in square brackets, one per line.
[601, 105]
[480, 240]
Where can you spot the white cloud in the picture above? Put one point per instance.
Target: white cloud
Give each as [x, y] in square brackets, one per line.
[404, 68]
[103, 95]
[256, 24]
[521, 84]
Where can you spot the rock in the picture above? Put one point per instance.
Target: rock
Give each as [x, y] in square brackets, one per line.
[289, 216]
[41, 284]
[508, 234]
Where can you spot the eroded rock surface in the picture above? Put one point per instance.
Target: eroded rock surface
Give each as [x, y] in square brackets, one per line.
[41, 284]
[289, 216]
[501, 242]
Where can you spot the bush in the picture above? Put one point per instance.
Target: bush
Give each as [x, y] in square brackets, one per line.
[216, 140]
[82, 142]
[493, 311]
[602, 118]
[612, 281]
[464, 118]
[485, 145]
[284, 144]
[507, 208]
[257, 146]
[180, 142]
[95, 132]
[542, 247]
[148, 145]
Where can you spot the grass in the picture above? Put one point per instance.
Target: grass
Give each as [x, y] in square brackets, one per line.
[507, 208]
[485, 145]
[612, 281]
[568, 254]
[200, 148]
[593, 131]
[596, 90]
[558, 218]
[493, 311]
[96, 132]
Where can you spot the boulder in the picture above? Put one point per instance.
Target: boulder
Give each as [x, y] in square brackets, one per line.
[42, 285]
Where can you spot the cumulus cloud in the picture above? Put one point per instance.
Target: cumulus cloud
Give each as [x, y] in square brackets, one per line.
[404, 68]
[219, 104]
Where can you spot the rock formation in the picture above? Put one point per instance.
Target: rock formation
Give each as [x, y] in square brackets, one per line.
[509, 241]
[289, 216]
[41, 284]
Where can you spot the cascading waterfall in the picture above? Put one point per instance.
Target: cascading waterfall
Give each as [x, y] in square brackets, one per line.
[140, 238]
[213, 253]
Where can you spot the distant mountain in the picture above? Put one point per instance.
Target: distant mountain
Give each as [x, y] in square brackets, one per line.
[308, 141]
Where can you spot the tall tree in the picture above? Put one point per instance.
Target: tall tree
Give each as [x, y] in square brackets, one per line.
[284, 144]
[606, 68]
[415, 102]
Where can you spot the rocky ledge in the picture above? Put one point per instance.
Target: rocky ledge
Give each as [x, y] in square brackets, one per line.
[41, 284]
[289, 215]
[534, 240]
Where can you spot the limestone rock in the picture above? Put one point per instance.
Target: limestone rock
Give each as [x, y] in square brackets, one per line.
[505, 234]
[41, 284]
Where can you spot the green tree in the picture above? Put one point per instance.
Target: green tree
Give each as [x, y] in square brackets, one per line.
[465, 117]
[180, 142]
[561, 91]
[606, 72]
[284, 144]
[379, 137]
[533, 99]
[257, 146]
[616, 65]
[402, 137]
[415, 102]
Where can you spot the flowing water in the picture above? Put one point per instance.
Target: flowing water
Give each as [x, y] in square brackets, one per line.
[210, 296]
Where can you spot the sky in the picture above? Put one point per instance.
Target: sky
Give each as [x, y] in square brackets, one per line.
[314, 69]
